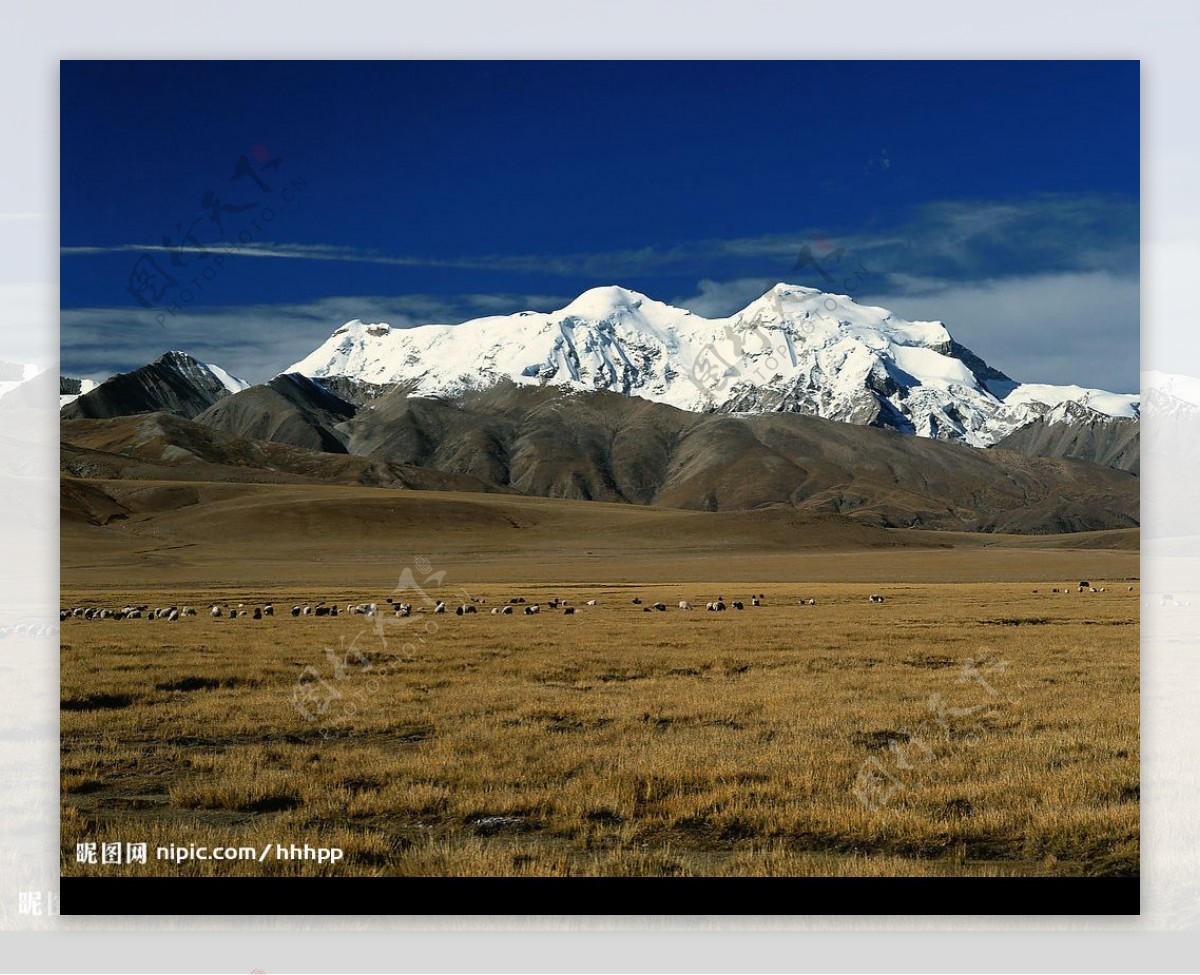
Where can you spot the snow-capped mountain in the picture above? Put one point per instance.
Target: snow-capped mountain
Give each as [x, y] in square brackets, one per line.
[794, 349]
[174, 382]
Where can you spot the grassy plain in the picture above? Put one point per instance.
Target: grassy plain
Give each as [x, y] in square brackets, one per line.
[967, 725]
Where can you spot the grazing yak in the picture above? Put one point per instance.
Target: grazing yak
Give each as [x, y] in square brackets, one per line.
[875, 598]
[506, 611]
[739, 605]
[570, 611]
[684, 604]
[440, 607]
[295, 611]
[533, 610]
[591, 602]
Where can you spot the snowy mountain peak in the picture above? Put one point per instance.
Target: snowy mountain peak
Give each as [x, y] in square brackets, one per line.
[793, 349]
[175, 382]
[192, 368]
[599, 303]
[356, 327]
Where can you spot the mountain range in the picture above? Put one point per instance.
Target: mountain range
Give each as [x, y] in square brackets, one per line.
[792, 350]
[848, 411]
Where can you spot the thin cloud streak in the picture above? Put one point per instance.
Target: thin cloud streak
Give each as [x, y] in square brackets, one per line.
[955, 239]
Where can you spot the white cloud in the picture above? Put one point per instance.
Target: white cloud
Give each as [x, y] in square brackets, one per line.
[1057, 328]
[717, 299]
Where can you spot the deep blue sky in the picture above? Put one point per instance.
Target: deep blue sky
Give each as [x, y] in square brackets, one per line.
[512, 184]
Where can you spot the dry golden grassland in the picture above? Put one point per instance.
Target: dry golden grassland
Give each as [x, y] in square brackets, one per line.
[987, 729]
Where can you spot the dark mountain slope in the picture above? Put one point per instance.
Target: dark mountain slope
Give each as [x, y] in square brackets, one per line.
[173, 383]
[290, 409]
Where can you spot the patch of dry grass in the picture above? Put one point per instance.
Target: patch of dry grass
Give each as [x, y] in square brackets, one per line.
[617, 741]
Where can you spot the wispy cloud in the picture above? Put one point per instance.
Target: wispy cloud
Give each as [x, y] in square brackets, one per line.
[958, 240]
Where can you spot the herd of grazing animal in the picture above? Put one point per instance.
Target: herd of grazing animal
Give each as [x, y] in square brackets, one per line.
[172, 613]
[169, 613]
[1084, 586]
[218, 611]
